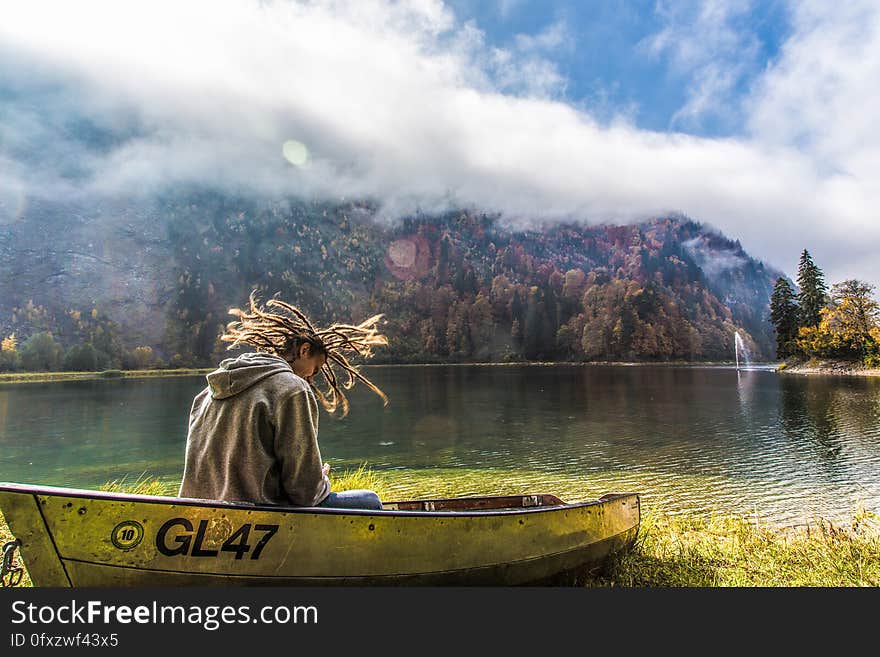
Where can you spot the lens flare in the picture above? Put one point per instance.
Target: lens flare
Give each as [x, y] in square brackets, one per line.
[295, 152]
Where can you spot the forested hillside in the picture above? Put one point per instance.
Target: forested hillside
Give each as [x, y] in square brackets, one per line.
[150, 285]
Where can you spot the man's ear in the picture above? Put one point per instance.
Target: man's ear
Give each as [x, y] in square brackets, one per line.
[305, 350]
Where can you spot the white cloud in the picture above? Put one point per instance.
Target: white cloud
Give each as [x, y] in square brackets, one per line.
[706, 44]
[399, 101]
[555, 36]
[821, 99]
[507, 7]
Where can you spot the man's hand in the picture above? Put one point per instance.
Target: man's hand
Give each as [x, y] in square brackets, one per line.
[326, 469]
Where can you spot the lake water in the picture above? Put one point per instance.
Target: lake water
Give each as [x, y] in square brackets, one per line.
[782, 448]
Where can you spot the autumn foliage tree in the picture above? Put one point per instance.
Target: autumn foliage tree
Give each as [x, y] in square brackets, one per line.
[848, 326]
[9, 357]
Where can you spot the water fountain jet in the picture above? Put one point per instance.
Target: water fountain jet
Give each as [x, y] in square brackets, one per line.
[739, 346]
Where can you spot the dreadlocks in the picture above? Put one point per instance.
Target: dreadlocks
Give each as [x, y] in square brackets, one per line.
[282, 333]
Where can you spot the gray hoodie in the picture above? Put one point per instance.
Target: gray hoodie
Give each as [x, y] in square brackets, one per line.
[253, 436]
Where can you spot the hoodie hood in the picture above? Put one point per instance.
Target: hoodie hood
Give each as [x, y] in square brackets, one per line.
[238, 374]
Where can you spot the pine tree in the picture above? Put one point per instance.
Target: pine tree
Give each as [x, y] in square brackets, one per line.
[813, 295]
[784, 317]
[532, 333]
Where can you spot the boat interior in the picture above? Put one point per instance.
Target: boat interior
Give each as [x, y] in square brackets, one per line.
[495, 503]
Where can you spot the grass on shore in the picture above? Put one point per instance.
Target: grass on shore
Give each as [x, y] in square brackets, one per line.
[712, 551]
[684, 550]
[35, 377]
[348, 479]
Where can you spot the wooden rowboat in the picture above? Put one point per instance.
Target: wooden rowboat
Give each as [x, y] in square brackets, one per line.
[72, 537]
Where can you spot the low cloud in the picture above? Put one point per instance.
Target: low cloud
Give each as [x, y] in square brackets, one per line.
[402, 103]
[714, 262]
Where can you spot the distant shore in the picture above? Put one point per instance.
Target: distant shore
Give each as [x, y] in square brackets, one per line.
[42, 377]
[46, 377]
[829, 367]
[592, 363]
[825, 367]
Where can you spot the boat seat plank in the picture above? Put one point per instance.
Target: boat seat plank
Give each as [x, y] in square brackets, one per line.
[499, 502]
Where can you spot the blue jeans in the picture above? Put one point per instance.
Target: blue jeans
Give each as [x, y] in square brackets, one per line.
[352, 499]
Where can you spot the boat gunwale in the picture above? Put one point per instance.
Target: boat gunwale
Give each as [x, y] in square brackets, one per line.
[33, 489]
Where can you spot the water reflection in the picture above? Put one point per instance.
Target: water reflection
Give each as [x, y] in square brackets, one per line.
[86, 432]
[782, 446]
[836, 425]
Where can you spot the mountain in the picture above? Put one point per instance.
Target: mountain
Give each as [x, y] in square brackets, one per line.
[457, 286]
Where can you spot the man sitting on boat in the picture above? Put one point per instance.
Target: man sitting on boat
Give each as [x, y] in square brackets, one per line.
[253, 431]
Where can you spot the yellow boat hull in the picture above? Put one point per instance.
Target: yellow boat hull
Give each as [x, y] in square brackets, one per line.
[79, 538]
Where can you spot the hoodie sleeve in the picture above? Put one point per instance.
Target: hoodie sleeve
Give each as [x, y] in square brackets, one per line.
[296, 446]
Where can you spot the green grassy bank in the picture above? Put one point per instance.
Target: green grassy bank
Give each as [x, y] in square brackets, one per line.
[709, 551]
[689, 550]
[36, 377]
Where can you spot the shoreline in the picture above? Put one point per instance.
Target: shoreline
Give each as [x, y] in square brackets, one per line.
[811, 368]
[829, 368]
[107, 375]
[110, 375]
[592, 363]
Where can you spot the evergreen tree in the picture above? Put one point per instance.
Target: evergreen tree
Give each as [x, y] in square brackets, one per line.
[517, 309]
[784, 317]
[532, 333]
[813, 291]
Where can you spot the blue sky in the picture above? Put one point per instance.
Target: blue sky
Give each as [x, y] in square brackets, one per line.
[758, 118]
[609, 64]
